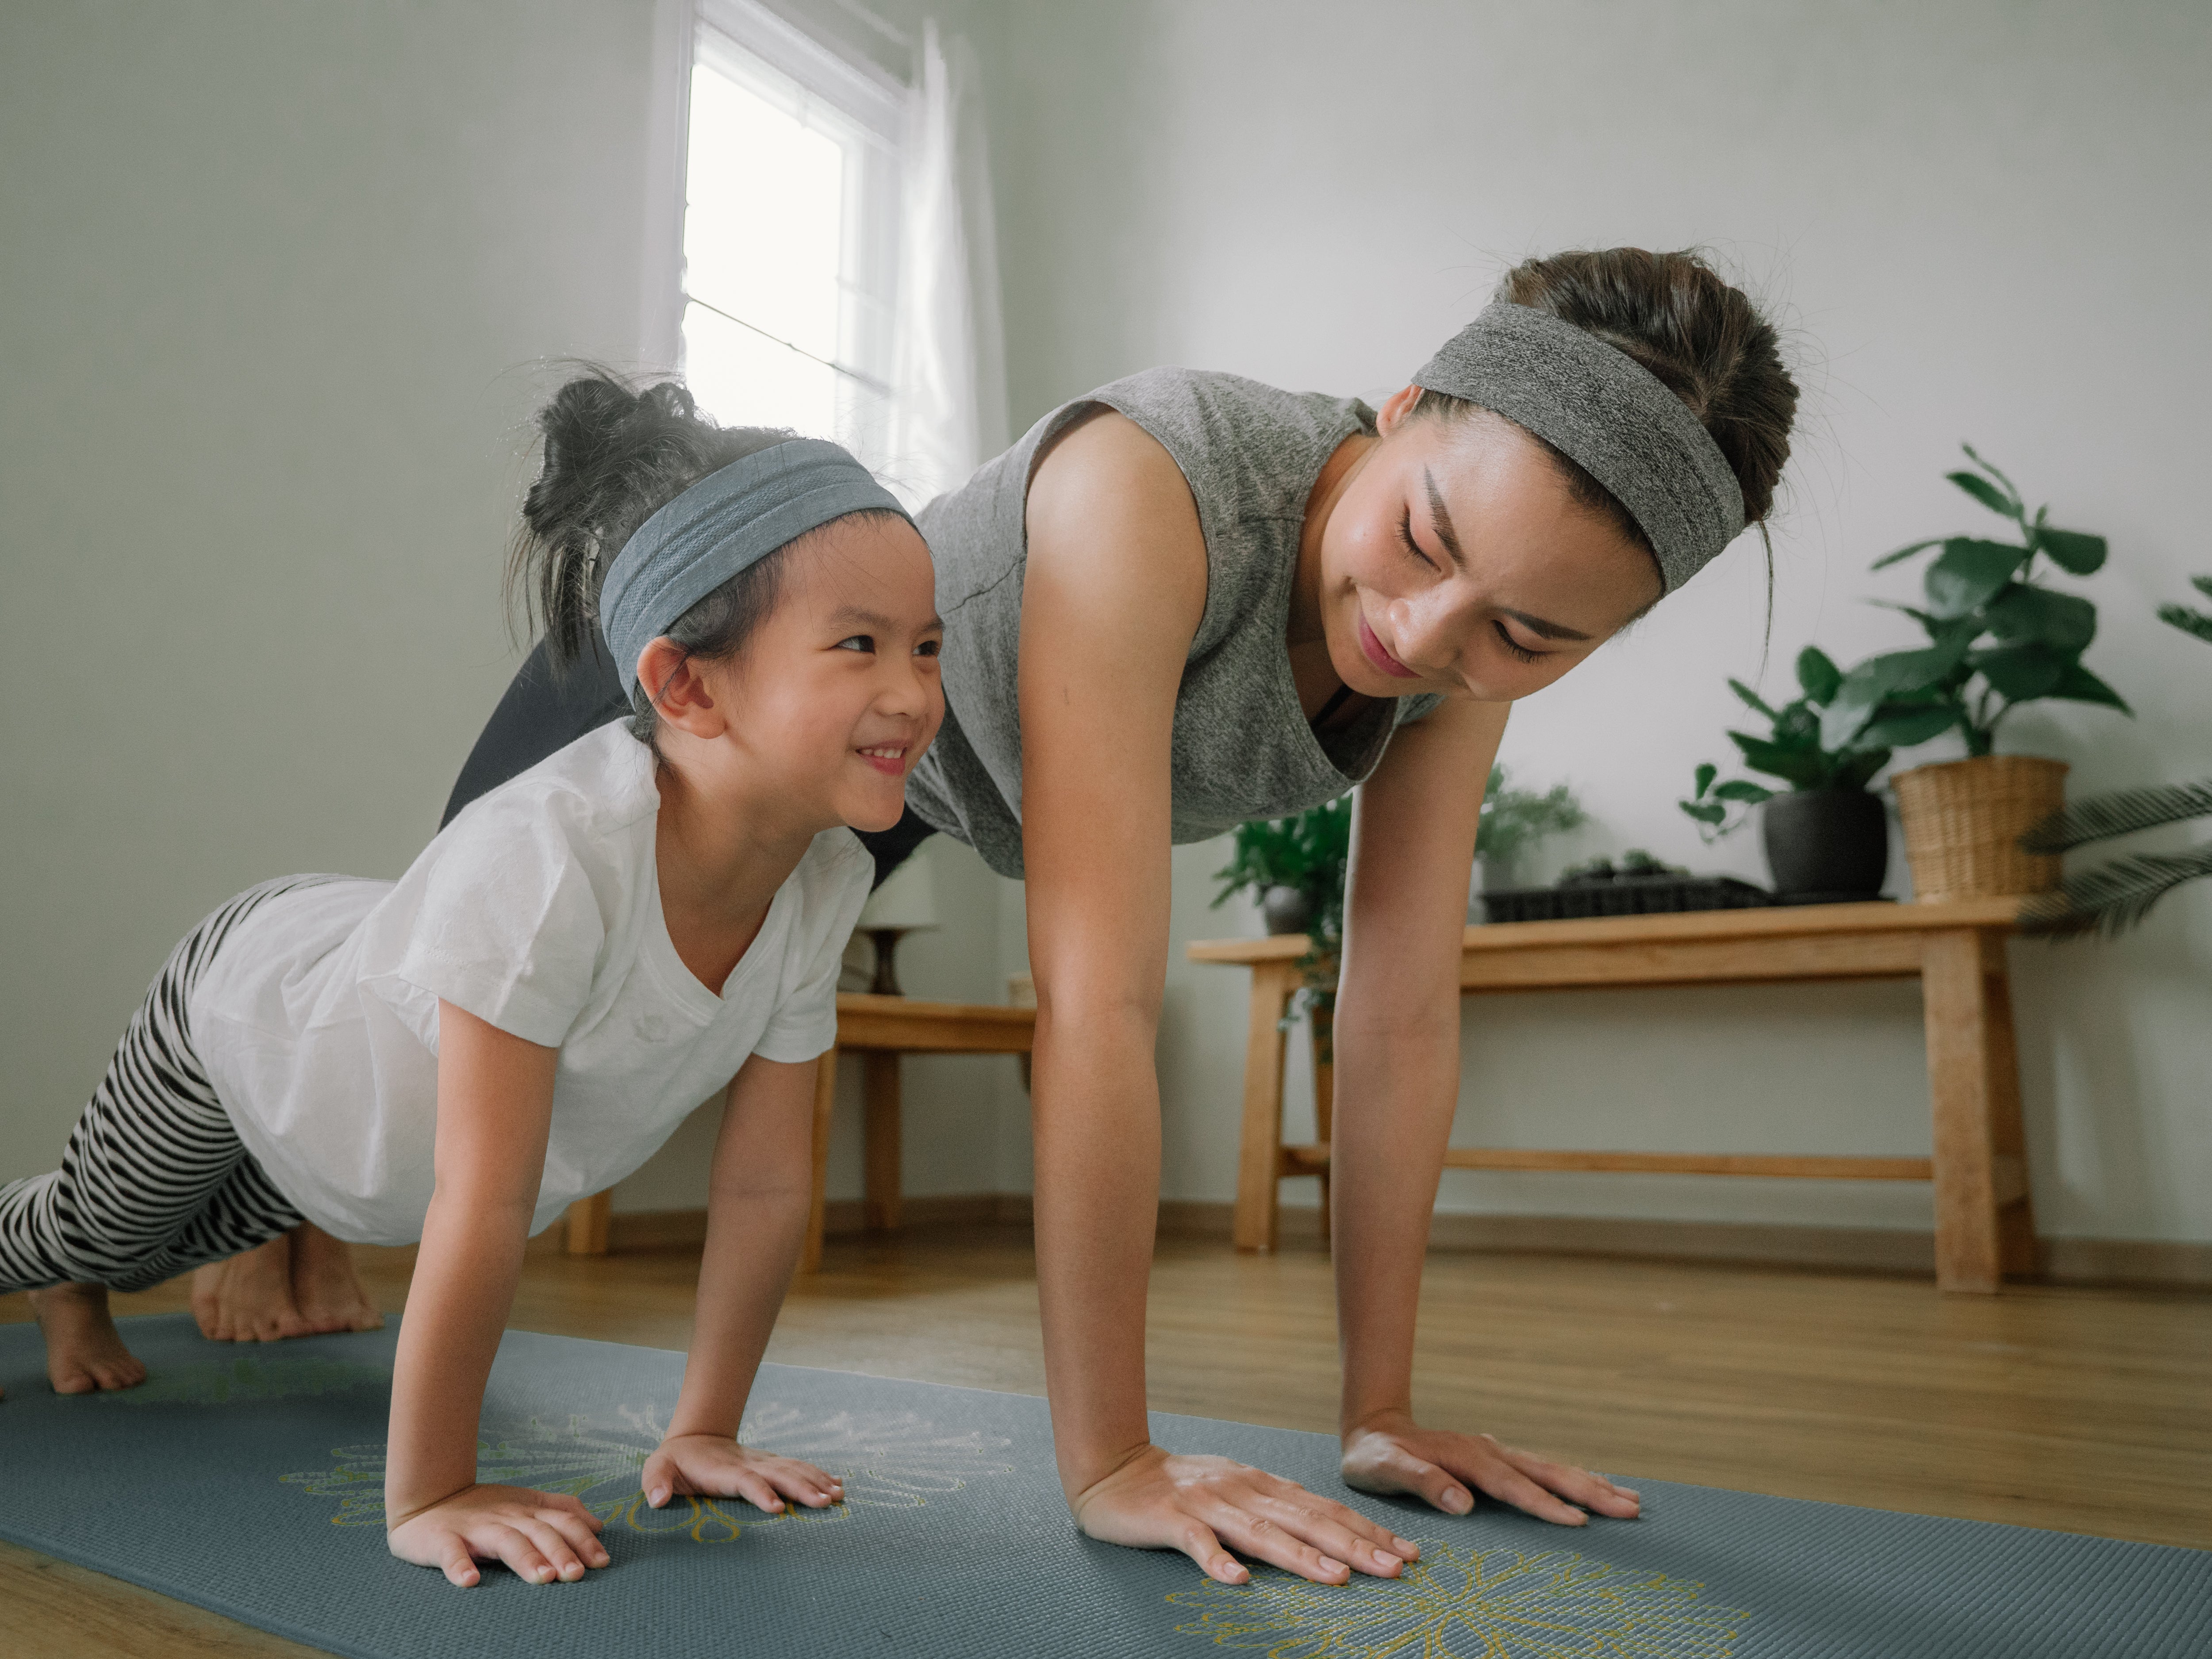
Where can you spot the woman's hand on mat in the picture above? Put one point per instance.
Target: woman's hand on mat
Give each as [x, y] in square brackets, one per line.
[1207, 1506]
[716, 1466]
[541, 1535]
[1394, 1454]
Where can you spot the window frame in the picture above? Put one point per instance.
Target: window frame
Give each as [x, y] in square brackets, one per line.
[863, 110]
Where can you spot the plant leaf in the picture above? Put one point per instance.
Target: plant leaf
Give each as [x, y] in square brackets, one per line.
[1751, 697]
[1969, 572]
[1706, 772]
[2116, 896]
[2078, 684]
[2023, 612]
[2073, 550]
[1856, 769]
[1900, 726]
[2020, 673]
[1905, 552]
[2123, 812]
[1991, 467]
[1704, 811]
[2189, 621]
[1798, 766]
[1817, 674]
[1744, 790]
[1911, 676]
[1986, 493]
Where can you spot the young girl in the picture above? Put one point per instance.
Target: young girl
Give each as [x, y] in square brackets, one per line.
[653, 915]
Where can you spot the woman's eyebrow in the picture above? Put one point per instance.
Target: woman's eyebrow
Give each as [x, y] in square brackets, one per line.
[1550, 630]
[1442, 516]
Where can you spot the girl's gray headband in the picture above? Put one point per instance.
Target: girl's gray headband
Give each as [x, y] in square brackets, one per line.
[731, 519]
[1609, 415]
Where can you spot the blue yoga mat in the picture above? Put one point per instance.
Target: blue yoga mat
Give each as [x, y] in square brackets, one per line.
[250, 1481]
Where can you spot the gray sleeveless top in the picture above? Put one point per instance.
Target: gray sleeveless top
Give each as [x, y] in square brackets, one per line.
[1242, 748]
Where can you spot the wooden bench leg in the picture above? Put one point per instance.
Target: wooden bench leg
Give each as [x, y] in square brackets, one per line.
[1324, 1072]
[1259, 1150]
[882, 1177]
[590, 1221]
[1965, 1024]
[825, 1098]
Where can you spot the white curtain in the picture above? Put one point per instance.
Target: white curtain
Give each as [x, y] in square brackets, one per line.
[949, 412]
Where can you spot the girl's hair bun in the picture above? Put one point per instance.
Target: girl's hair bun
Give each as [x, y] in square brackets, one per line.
[616, 451]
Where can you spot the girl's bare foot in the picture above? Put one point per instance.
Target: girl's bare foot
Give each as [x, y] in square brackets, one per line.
[248, 1298]
[84, 1351]
[323, 1288]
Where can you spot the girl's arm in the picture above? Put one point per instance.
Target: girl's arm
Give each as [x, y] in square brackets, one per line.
[1397, 1088]
[1113, 591]
[494, 1107]
[758, 1192]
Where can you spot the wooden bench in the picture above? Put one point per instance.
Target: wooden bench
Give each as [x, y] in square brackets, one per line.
[1985, 1222]
[880, 1028]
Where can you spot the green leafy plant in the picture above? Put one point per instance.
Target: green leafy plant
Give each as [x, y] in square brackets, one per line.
[2116, 896]
[1792, 750]
[1634, 862]
[1515, 820]
[1997, 637]
[1308, 852]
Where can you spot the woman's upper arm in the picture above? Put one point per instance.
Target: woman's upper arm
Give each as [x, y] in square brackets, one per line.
[1413, 840]
[494, 1110]
[1112, 595]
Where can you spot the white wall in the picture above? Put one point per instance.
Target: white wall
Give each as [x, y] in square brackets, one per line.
[1973, 218]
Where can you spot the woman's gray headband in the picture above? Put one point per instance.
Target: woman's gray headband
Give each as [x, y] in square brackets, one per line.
[1608, 413]
[729, 520]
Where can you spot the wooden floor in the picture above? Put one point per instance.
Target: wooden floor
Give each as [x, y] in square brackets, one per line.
[2084, 1410]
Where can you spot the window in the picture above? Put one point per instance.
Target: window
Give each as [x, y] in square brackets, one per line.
[790, 231]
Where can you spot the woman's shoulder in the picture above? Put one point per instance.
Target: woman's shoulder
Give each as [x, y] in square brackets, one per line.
[1235, 437]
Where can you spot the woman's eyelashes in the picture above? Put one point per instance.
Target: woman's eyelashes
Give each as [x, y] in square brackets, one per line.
[1514, 648]
[1406, 535]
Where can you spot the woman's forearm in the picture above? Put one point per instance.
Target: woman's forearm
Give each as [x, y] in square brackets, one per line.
[1397, 1087]
[1098, 1132]
[456, 1305]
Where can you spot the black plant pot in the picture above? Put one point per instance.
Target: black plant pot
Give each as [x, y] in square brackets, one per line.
[1286, 910]
[1827, 845]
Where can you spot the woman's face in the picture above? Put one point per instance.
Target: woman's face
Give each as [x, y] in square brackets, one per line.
[1456, 561]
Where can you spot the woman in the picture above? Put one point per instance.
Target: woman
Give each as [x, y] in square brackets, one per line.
[1188, 600]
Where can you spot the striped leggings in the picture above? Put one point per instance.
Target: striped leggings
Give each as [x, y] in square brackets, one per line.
[154, 1179]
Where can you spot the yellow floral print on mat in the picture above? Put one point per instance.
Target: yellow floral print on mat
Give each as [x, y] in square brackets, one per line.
[1456, 1603]
[887, 1460]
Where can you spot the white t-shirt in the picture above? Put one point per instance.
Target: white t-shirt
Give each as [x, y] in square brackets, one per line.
[537, 910]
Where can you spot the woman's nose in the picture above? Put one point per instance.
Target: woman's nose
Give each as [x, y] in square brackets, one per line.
[1433, 629]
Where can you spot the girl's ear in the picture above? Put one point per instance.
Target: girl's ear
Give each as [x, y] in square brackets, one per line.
[1396, 408]
[681, 696]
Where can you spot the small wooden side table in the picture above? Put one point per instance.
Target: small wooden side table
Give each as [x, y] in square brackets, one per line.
[1985, 1222]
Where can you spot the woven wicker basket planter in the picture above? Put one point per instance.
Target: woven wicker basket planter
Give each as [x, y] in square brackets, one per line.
[1963, 820]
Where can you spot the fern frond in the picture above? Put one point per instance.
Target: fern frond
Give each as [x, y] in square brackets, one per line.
[2116, 896]
[2100, 817]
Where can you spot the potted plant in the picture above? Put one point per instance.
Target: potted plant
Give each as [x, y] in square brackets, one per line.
[1827, 838]
[1515, 820]
[1998, 638]
[2113, 897]
[1295, 866]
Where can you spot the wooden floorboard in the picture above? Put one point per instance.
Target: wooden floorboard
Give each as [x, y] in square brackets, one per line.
[2069, 1407]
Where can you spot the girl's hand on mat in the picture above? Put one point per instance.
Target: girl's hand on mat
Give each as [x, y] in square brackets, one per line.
[714, 1466]
[541, 1535]
[1395, 1454]
[1156, 1500]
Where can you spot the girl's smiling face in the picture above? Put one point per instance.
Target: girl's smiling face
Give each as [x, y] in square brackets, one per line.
[1458, 561]
[833, 697]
